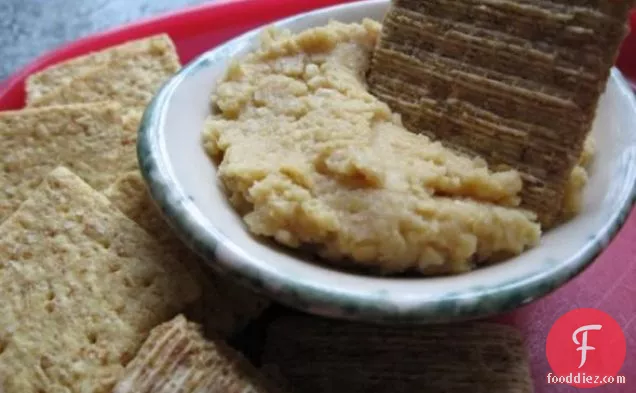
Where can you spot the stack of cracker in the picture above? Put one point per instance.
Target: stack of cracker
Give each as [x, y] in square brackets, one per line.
[94, 140]
[84, 126]
[319, 355]
[516, 82]
[87, 264]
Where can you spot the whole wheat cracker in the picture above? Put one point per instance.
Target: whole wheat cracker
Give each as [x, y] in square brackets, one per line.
[91, 139]
[81, 285]
[514, 81]
[321, 355]
[224, 307]
[46, 81]
[131, 80]
[177, 358]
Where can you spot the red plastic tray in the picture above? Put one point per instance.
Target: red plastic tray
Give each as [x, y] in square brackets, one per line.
[609, 284]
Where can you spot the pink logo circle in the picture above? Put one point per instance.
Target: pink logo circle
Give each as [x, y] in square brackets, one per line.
[586, 348]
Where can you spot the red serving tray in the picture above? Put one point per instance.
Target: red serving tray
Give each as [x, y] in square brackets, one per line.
[609, 284]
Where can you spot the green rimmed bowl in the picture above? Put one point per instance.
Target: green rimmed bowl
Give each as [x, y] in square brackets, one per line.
[182, 180]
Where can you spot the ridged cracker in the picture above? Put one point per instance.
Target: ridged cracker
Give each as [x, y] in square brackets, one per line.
[48, 80]
[514, 81]
[81, 286]
[320, 355]
[91, 139]
[176, 358]
[224, 307]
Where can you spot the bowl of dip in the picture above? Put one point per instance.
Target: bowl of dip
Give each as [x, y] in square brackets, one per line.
[269, 158]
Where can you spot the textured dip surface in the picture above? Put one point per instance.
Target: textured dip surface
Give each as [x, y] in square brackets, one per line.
[310, 157]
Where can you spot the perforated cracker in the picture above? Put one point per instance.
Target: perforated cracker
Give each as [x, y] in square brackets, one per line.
[224, 307]
[129, 80]
[81, 287]
[50, 79]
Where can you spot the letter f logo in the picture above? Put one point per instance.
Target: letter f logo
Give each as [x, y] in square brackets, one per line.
[583, 344]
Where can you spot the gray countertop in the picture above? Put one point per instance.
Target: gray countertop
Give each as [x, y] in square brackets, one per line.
[29, 28]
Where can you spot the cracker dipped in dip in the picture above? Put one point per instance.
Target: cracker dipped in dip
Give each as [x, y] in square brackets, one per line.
[310, 158]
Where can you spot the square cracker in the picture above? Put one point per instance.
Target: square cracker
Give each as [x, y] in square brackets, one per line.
[516, 82]
[131, 81]
[44, 82]
[176, 358]
[224, 307]
[321, 355]
[81, 287]
[91, 139]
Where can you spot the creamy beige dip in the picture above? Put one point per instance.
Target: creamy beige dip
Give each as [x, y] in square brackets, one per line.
[310, 157]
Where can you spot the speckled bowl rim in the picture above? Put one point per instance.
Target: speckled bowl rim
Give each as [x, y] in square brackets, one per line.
[229, 259]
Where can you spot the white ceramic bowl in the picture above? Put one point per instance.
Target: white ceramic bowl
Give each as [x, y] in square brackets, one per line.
[182, 180]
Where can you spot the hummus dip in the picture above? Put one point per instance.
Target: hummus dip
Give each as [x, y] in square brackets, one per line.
[310, 158]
